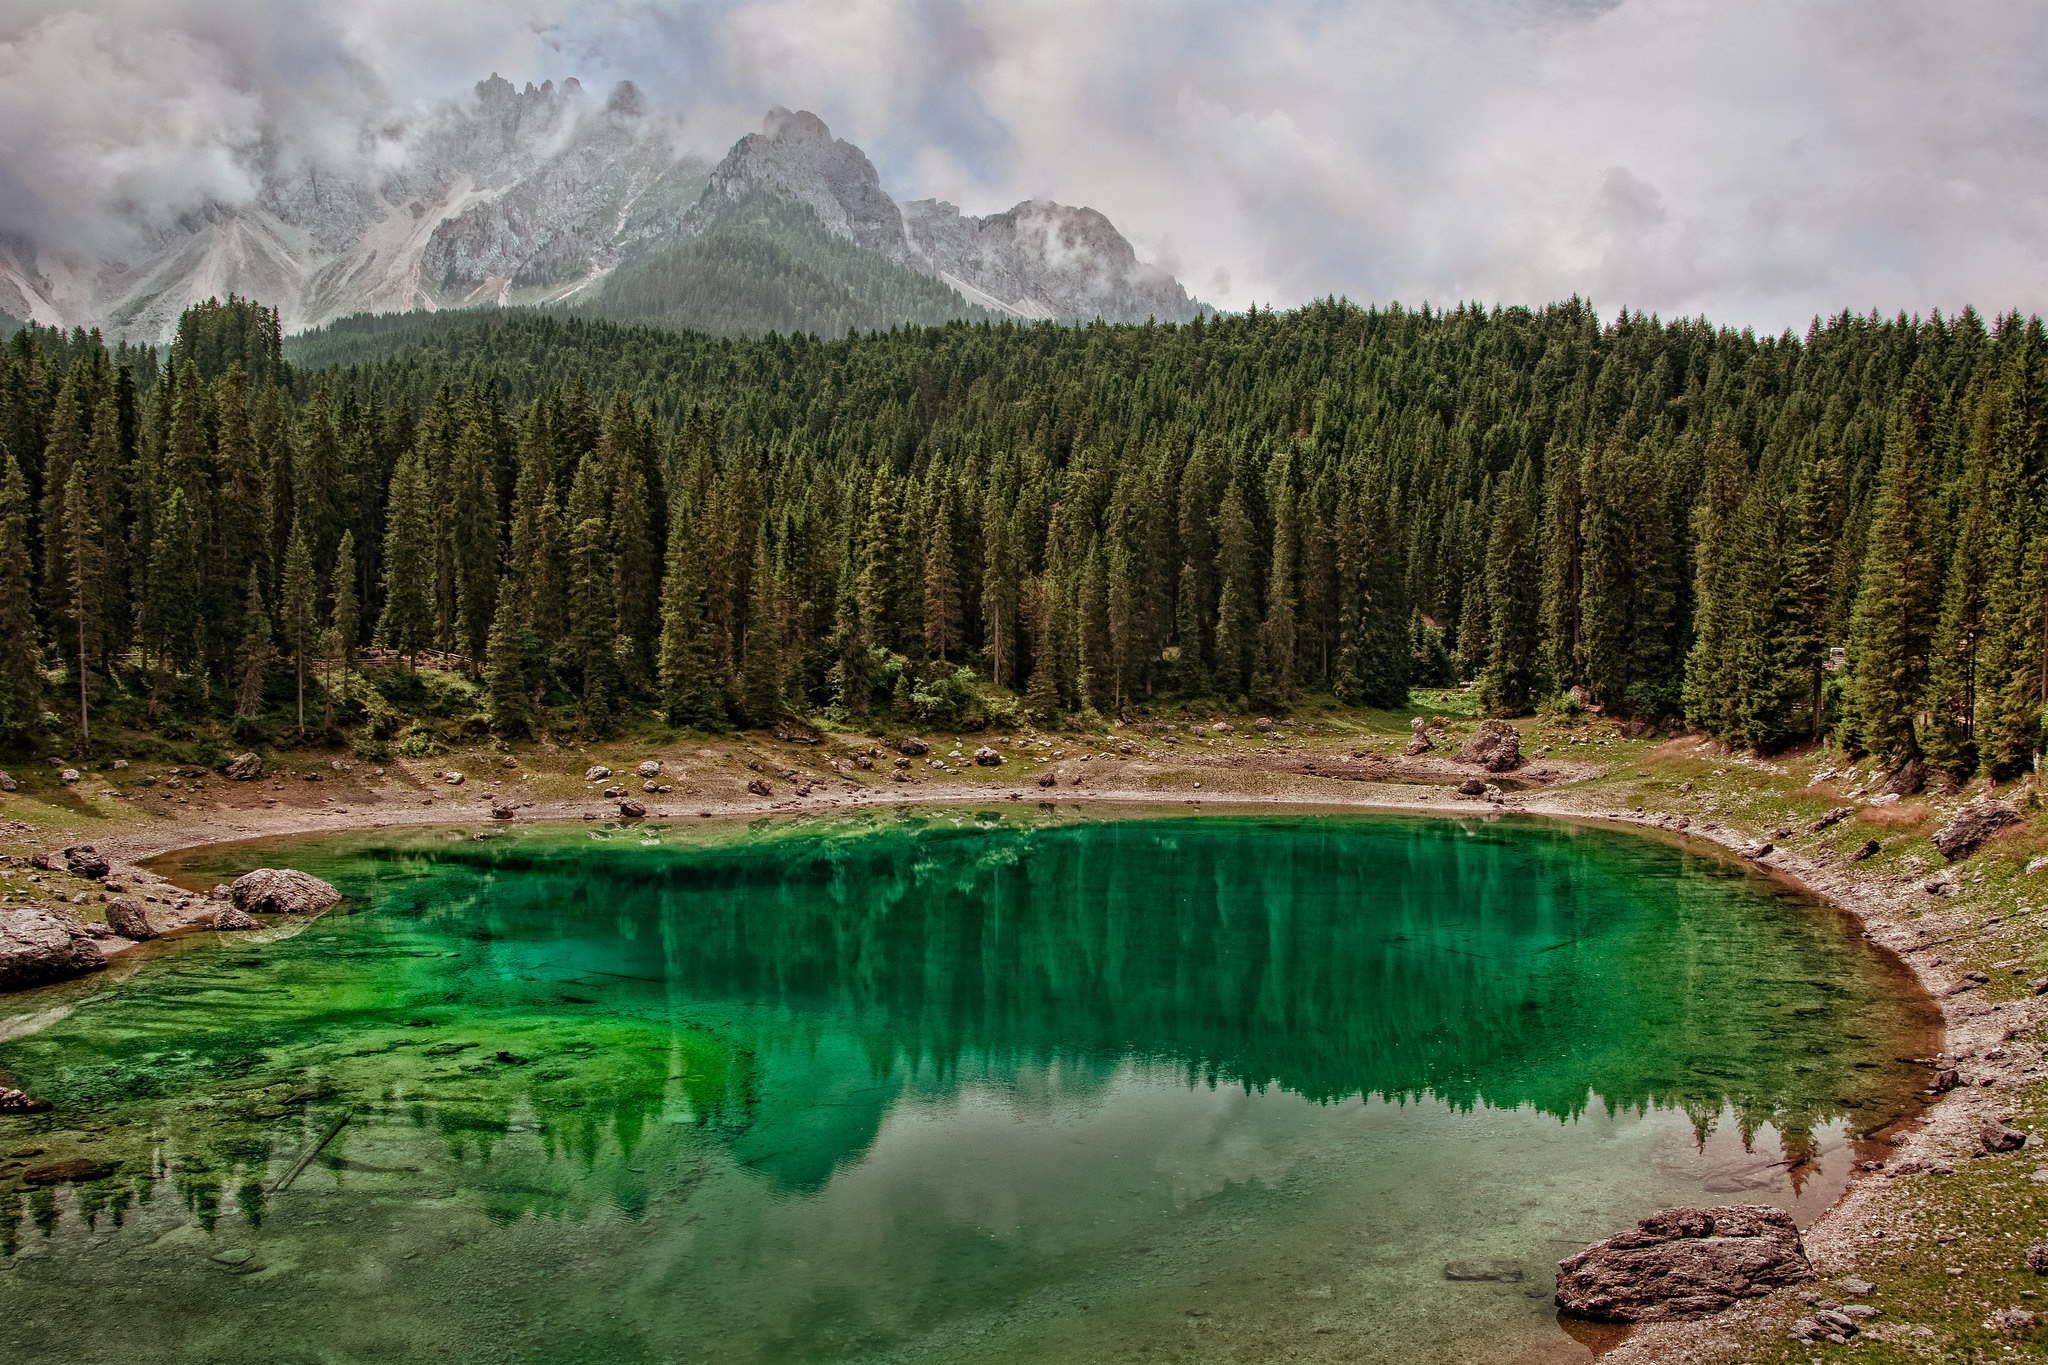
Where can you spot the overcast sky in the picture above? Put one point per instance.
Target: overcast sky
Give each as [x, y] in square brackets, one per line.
[1756, 162]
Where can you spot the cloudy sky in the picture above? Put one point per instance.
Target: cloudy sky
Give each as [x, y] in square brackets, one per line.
[1757, 162]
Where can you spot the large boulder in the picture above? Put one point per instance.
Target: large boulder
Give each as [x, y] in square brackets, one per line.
[1971, 826]
[1495, 746]
[281, 891]
[912, 746]
[243, 768]
[227, 919]
[1908, 780]
[126, 918]
[82, 861]
[38, 945]
[1683, 1263]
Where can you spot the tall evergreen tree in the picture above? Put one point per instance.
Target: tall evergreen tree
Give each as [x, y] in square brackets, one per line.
[257, 652]
[21, 665]
[406, 625]
[1893, 628]
[299, 611]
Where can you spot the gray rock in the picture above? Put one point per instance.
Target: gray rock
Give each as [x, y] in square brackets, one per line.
[1969, 827]
[2037, 1257]
[1854, 1287]
[244, 768]
[1683, 1263]
[68, 775]
[632, 810]
[758, 787]
[1471, 786]
[126, 918]
[596, 772]
[1495, 746]
[82, 861]
[911, 746]
[38, 945]
[2011, 1320]
[19, 1102]
[1419, 745]
[1868, 849]
[650, 768]
[1832, 818]
[282, 891]
[1908, 780]
[1997, 1137]
[7, 784]
[1048, 778]
[987, 757]
[227, 919]
[501, 810]
[453, 778]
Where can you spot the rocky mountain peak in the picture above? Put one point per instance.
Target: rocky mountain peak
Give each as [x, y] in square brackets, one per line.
[795, 156]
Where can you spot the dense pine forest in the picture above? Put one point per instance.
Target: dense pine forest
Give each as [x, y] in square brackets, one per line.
[1772, 539]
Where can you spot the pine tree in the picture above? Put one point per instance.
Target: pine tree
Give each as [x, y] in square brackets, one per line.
[1277, 632]
[168, 612]
[473, 537]
[84, 560]
[1236, 612]
[941, 582]
[345, 620]
[299, 611]
[1514, 590]
[761, 645]
[593, 622]
[21, 665]
[407, 623]
[689, 693]
[257, 652]
[1042, 693]
[1895, 616]
[509, 709]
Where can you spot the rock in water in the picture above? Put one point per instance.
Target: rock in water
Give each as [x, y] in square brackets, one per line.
[227, 918]
[1495, 746]
[37, 945]
[126, 918]
[83, 862]
[1683, 1263]
[1969, 827]
[244, 768]
[16, 1102]
[1507, 1272]
[281, 891]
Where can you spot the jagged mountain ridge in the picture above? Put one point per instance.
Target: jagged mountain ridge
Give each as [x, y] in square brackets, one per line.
[539, 196]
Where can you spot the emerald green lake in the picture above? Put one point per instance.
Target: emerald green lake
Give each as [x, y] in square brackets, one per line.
[1009, 1085]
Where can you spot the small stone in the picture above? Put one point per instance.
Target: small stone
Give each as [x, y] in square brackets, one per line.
[2037, 1257]
[125, 917]
[1471, 786]
[508, 762]
[1048, 778]
[650, 786]
[2010, 1320]
[650, 768]
[453, 778]
[1220, 727]
[1854, 1287]
[1264, 725]
[68, 775]
[1868, 849]
[632, 810]
[227, 919]
[596, 772]
[120, 765]
[501, 811]
[244, 768]
[986, 757]
[7, 784]
[759, 787]
[913, 747]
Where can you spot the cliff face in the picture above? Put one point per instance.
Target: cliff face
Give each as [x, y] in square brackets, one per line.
[536, 195]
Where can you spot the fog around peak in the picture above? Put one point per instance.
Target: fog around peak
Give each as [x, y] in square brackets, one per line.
[1757, 162]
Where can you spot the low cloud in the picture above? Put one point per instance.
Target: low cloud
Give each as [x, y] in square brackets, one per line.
[1752, 160]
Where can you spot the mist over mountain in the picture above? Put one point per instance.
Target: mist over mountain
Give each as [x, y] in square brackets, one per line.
[540, 195]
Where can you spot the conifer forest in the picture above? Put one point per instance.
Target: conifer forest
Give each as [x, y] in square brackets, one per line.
[578, 525]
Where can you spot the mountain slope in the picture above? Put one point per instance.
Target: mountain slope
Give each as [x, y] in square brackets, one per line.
[540, 196]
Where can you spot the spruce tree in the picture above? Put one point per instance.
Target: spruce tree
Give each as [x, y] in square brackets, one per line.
[1893, 627]
[407, 623]
[1237, 595]
[761, 645]
[346, 618]
[941, 582]
[21, 665]
[257, 652]
[1514, 590]
[506, 704]
[84, 560]
[689, 693]
[593, 622]
[298, 611]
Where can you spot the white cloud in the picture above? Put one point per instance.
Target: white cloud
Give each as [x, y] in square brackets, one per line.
[1755, 160]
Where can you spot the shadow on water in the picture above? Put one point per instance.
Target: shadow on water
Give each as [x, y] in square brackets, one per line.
[578, 1029]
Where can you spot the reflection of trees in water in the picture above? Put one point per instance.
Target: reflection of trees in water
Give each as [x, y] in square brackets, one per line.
[782, 991]
[1506, 967]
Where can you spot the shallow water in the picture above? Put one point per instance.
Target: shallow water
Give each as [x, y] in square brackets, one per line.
[930, 1087]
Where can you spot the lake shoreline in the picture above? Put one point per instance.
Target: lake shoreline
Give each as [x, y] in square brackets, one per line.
[1877, 902]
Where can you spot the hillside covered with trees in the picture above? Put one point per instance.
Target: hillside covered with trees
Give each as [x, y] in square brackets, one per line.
[604, 523]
